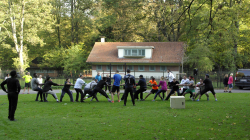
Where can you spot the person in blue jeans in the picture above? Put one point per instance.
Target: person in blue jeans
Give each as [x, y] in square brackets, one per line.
[116, 86]
[65, 89]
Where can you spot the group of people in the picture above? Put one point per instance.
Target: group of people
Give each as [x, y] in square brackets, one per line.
[228, 82]
[91, 89]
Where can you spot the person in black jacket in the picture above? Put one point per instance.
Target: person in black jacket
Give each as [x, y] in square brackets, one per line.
[14, 88]
[208, 87]
[129, 83]
[143, 87]
[98, 88]
[109, 83]
[174, 84]
[47, 88]
[225, 82]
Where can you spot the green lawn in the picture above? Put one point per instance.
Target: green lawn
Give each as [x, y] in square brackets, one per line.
[228, 118]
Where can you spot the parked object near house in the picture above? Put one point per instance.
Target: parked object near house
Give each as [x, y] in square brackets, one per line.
[242, 78]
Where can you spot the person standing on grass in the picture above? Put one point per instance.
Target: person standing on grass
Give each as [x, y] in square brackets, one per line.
[88, 89]
[35, 86]
[66, 89]
[175, 87]
[170, 78]
[98, 77]
[154, 88]
[116, 86]
[99, 88]
[7, 76]
[230, 82]
[27, 79]
[225, 82]
[129, 83]
[109, 83]
[185, 80]
[13, 87]
[208, 87]
[191, 89]
[78, 88]
[163, 89]
[143, 87]
[40, 81]
[47, 88]
[199, 84]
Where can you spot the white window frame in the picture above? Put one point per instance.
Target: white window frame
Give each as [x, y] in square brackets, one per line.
[137, 52]
[150, 69]
[97, 68]
[141, 66]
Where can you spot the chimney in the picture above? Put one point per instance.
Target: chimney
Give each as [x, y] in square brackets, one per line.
[102, 38]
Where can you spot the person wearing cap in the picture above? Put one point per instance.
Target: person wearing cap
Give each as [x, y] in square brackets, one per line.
[129, 84]
[191, 87]
[143, 87]
[154, 89]
[14, 88]
[98, 88]
[175, 87]
[47, 88]
[116, 86]
[208, 87]
[163, 89]
[78, 88]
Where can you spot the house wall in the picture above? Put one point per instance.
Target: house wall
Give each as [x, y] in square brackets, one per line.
[135, 72]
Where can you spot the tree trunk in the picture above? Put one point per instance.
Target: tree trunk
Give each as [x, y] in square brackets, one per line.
[72, 21]
[21, 39]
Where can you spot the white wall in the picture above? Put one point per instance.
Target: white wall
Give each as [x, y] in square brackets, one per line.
[148, 53]
[137, 74]
[120, 53]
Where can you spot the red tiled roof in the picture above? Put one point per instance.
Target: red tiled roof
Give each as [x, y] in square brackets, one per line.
[164, 52]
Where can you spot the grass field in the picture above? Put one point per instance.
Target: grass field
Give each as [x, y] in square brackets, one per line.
[228, 118]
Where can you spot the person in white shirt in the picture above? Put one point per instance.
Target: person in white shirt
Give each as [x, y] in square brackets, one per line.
[40, 81]
[170, 77]
[89, 87]
[7, 76]
[78, 87]
[184, 81]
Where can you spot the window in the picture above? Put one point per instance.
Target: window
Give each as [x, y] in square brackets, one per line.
[151, 68]
[163, 68]
[140, 68]
[98, 67]
[134, 52]
[108, 68]
[130, 67]
[40, 71]
[120, 67]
